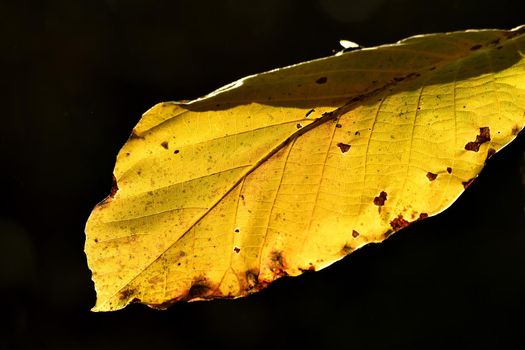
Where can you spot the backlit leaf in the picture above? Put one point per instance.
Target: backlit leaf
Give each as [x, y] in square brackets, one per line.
[293, 169]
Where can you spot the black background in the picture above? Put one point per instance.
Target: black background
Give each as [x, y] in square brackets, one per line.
[78, 75]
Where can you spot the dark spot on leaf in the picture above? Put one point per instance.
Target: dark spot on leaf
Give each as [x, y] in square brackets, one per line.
[431, 176]
[475, 47]
[96, 240]
[515, 130]
[199, 289]
[237, 230]
[484, 136]
[299, 126]
[277, 265]
[321, 80]
[237, 250]
[343, 147]
[399, 223]
[252, 279]
[114, 188]
[164, 144]
[338, 125]
[357, 133]
[347, 249]
[388, 233]
[127, 154]
[467, 183]
[449, 170]
[399, 78]
[176, 151]
[432, 68]
[355, 234]
[125, 294]
[135, 301]
[309, 112]
[423, 216]
[380, 200]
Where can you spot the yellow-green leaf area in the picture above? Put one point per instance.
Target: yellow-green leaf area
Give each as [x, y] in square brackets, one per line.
[292, 169]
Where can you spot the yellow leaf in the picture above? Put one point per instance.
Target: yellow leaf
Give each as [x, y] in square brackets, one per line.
[293, 169]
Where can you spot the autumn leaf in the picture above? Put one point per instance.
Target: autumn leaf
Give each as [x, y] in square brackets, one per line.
[293, 169]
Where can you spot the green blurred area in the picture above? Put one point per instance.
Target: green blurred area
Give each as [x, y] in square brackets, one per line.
[78, 75]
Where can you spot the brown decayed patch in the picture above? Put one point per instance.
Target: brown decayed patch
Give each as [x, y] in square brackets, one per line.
[252, 280]
[515, 130]
[125, 294]
[355, 234]
[431, 176]
[347, 249]
[343, 147]
[423, 216]
[468, 183]
[114, 188]
[388, 233]
[277, 264]
[200, 289]
[164, 144]
[449, 170]
[380, 200]
[310, 268]
[484, 136]
[399, 223]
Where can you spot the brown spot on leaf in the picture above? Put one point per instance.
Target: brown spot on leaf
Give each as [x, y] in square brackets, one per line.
[380, 200]
[252, 281]
[176, 151]
[468, 183]
[321, 80]
[237, 250]
[343, 147]
[449, 170]
[347, 249]
[475, 47]
[338, 126]
[431, 176]
[484, 136]
[399, 223]
[125, 294]
[200, 288]
[164, 144]
[277, 264]
[299, 126]
[423, 216]
[114, 188]
[355, 234]
[309, 112]
[515, 130]
[388, 233]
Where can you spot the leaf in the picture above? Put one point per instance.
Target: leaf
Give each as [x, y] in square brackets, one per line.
[293, 169]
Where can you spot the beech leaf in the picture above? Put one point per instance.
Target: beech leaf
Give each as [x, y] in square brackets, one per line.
[293, 169]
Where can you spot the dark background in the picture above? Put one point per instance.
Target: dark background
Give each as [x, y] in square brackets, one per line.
[78, 75]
